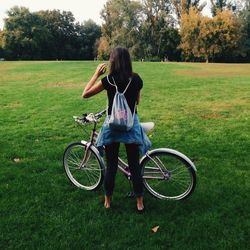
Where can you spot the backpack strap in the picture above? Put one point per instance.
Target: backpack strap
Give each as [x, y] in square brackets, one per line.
[130, 80]
[114, 84]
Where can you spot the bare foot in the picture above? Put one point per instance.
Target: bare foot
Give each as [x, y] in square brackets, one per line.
[107, 200]
[140, 206]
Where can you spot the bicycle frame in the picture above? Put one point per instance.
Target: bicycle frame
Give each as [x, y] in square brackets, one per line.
[167, 173]
[122, 166]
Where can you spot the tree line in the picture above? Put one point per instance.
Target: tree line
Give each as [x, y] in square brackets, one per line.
[154, 30]
[47, 35]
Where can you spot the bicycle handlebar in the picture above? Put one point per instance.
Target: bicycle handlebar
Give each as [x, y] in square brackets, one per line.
[89, 118]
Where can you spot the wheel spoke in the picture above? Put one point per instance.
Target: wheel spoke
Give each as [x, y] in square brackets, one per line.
[177, 180]
[91, 169]
[73, 162]
[160, 163]
[87, 175]
[181, 167]
[180, 183]
[75, 156]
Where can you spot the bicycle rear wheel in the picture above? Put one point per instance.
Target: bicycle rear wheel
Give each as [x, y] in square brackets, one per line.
[82, 166]
[167, 175]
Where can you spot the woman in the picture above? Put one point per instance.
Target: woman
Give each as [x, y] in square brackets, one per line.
[135, 140]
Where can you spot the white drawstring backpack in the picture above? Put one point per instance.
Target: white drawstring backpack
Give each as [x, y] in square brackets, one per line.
[121, 117]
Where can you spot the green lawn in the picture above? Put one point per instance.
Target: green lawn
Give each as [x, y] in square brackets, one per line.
[201, 110]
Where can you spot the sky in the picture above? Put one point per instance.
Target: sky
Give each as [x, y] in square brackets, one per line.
[81, 9]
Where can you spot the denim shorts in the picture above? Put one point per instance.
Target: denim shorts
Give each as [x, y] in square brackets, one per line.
[135, 135]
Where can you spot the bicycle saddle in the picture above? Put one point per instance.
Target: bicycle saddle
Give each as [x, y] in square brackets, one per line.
[147, 126]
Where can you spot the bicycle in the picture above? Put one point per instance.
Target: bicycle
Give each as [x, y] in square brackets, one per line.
[167, 173]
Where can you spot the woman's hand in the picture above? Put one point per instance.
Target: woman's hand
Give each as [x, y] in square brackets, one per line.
[101, 69]
[92, 88]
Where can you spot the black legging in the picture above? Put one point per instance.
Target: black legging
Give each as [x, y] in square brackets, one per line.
[112, 152]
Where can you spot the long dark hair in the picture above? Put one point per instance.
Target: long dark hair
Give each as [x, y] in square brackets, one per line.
[120, 64]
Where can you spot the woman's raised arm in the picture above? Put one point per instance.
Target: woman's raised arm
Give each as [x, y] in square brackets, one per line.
[93, 88]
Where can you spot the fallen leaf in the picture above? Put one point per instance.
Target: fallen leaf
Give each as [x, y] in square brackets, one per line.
[155, 229]
[16, 160]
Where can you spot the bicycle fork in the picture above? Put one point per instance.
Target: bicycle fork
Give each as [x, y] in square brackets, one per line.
[86, 156]
[87, 152]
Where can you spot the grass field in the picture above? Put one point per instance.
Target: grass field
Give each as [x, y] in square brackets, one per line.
[201, 110]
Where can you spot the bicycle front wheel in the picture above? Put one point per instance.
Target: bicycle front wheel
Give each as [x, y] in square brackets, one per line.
[83, 166]
[167, 175]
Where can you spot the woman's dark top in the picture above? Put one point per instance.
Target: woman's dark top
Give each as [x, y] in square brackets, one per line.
[131, 93]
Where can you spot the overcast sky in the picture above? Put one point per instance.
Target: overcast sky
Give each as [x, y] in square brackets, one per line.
[81, 9]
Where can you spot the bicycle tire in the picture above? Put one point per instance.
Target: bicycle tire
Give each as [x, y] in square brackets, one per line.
[87, 176]
[175, 179]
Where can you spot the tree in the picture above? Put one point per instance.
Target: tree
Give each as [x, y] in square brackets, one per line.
[156, 26]
[227, 36]
[18, 38]
[1, 44]
[183, 6]
[47, 35]
[245, 29]
[61, 29]
[38, 35]
[88, 33]
[103, 49]
[207, 38]
[189, 31]
[220, 5]
[121, 25]
[145, 27]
